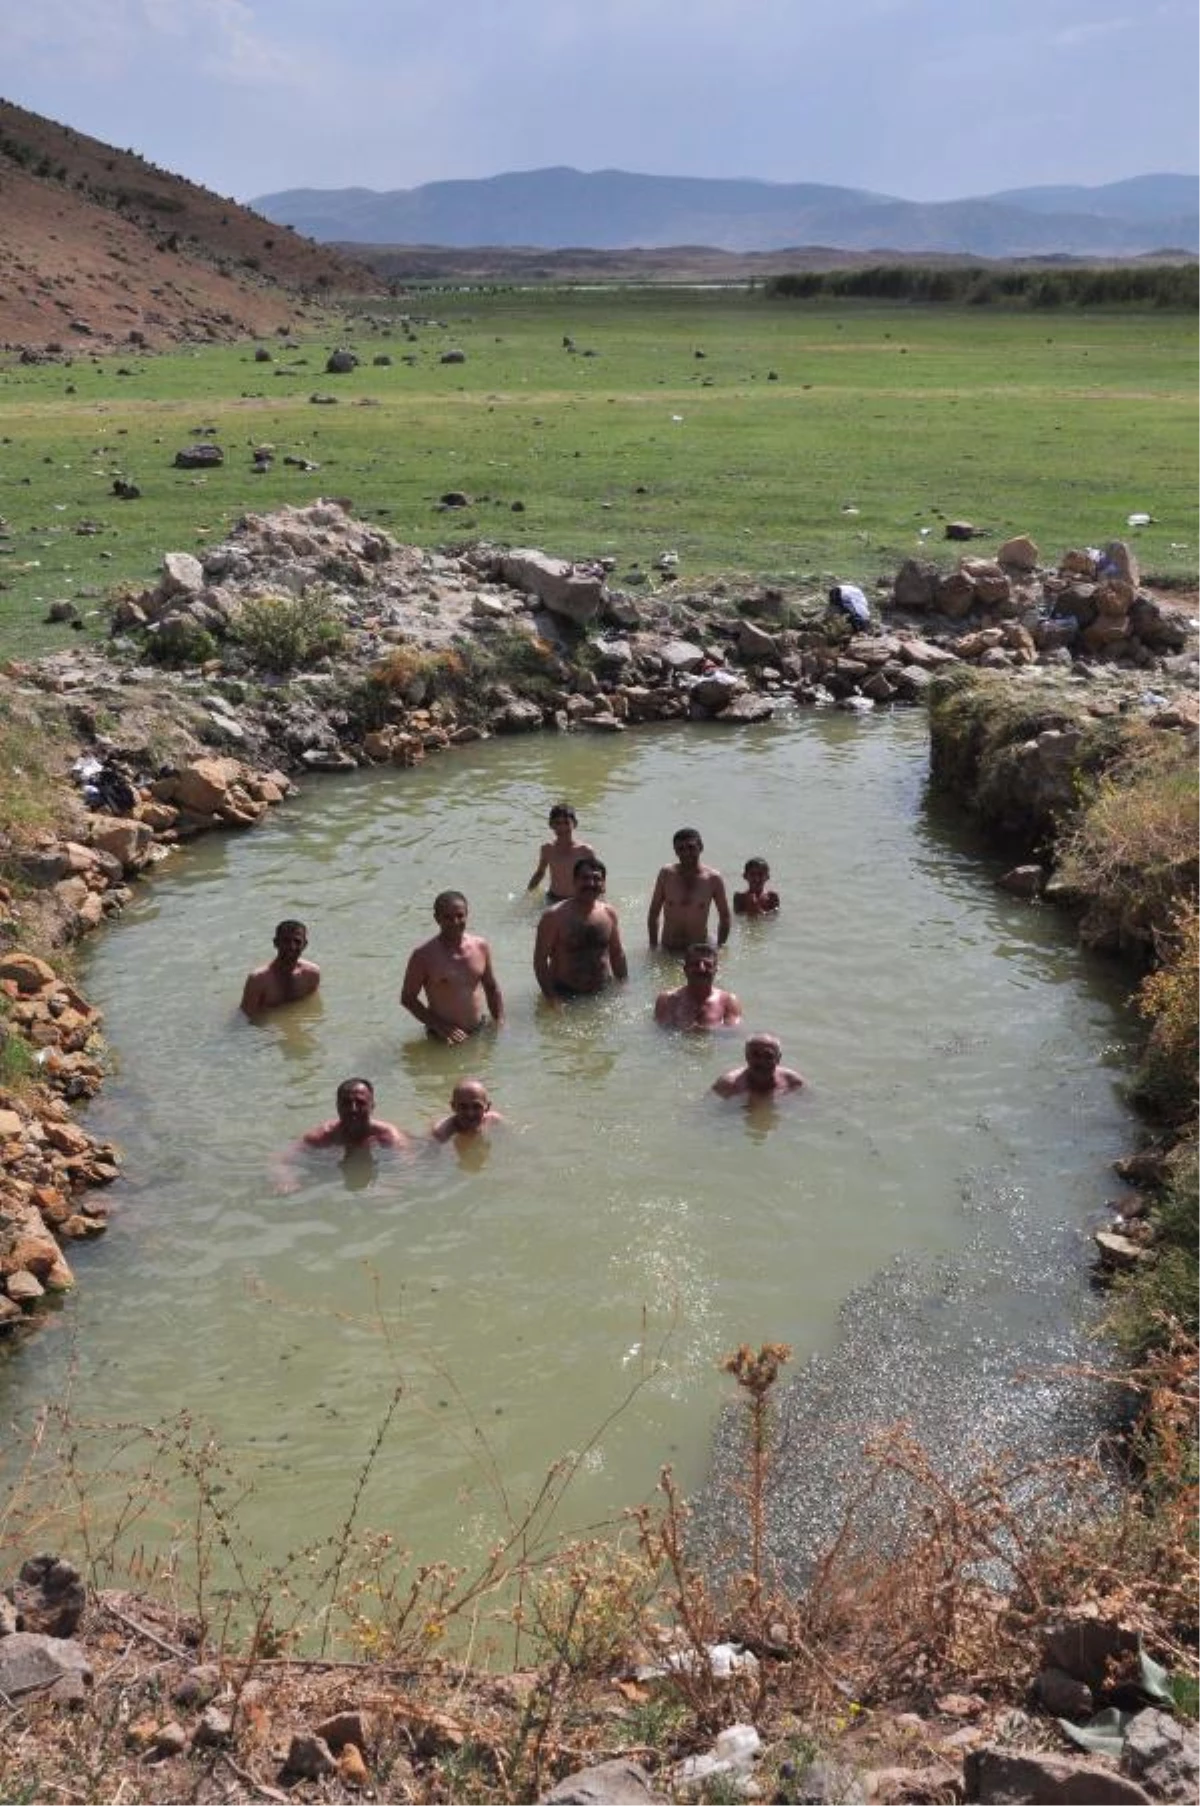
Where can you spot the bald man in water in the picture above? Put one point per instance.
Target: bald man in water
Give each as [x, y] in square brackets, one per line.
[763, 1075]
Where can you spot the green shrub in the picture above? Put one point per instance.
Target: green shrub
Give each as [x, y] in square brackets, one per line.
[284, 632]
[181, 642]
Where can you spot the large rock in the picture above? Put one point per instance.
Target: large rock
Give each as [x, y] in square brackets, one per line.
[203, 786]
[27, 972]
[747, 709]
[49, 1596]
[128, 841]
[617, 1783]
[996, 1777]
[556, 584]
[1019, 554]
[916, 584]
[755, 646]
[517, 717]
[30, 1661]
[682, 655]
[1162, 1756]
[182, 575]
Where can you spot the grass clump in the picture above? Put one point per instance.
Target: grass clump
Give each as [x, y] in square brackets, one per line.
[1132, 849]
[282, 633]
[32, 759]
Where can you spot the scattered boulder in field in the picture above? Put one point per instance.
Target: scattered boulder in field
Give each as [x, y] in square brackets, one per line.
[340, 362]
[453, 357]
[199, 457]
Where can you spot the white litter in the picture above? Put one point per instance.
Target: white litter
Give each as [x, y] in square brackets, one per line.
[1139, 520]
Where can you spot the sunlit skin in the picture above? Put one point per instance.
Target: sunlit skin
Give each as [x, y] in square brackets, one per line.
[558, 856]
[471, 1112]
[683, 896]
[578, 949]
[763, 1075]
[355, 1124]
[449, 979]
[698, 1003]
[285, 978]
[758, 899]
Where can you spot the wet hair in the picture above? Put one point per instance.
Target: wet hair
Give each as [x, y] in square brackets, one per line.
[560, 810]
[758, 863]
[763, 1039]
[348, 1085]
[470, 1085]
[686, 834]
[697, 948]
[289, 927]
[446, 897]
[589, 864]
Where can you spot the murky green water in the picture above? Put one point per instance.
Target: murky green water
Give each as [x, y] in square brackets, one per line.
[955, 1044]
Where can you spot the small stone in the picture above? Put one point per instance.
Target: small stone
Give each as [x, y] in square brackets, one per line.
[214, 1729]
[1062, 1695]
[352, 1766]
[198, 1687]
[344, 1728]
[169, 1740]
[309, 1758]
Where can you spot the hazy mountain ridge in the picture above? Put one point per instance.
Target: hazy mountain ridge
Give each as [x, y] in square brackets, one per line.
[617, 209]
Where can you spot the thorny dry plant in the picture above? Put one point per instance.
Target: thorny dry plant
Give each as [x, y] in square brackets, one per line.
[957, 1602]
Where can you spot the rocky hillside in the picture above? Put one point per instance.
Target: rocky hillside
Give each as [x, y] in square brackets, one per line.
[98, 246]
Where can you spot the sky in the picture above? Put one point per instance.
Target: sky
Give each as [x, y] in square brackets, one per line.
[922, 99]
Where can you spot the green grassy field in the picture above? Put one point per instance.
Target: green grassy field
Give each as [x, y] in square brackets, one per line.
[809, 439]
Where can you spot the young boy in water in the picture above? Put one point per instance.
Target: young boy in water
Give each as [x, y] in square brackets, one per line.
[558, 856]
[756, 899]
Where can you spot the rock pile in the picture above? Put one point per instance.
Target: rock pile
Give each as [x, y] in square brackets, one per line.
[1091, 605]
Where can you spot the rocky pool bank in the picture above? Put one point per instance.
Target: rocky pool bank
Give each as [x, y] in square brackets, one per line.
[310, 642]
[120, 759]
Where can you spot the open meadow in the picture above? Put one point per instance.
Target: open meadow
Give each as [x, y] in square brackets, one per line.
[759, 439]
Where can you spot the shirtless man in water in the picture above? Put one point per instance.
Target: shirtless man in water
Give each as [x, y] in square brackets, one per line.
[578, 946]
[699, 1003]
[355, 1125]
[355, 1128]
[683, 895]
[763, 1075]
[285, 978]
[470, 1111]
[454, 971]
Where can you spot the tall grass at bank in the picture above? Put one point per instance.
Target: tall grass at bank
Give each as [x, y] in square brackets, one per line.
[803, 442]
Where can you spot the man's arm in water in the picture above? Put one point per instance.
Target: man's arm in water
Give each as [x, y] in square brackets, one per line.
[657, 900]
[616, 951]
[255, 991]
[491, 989]
[543, 953]
[724, 918]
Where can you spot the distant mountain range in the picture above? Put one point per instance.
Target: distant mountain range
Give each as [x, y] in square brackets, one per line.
[614, 209]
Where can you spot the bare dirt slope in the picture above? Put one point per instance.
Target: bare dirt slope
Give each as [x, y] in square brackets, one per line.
[96, 244]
